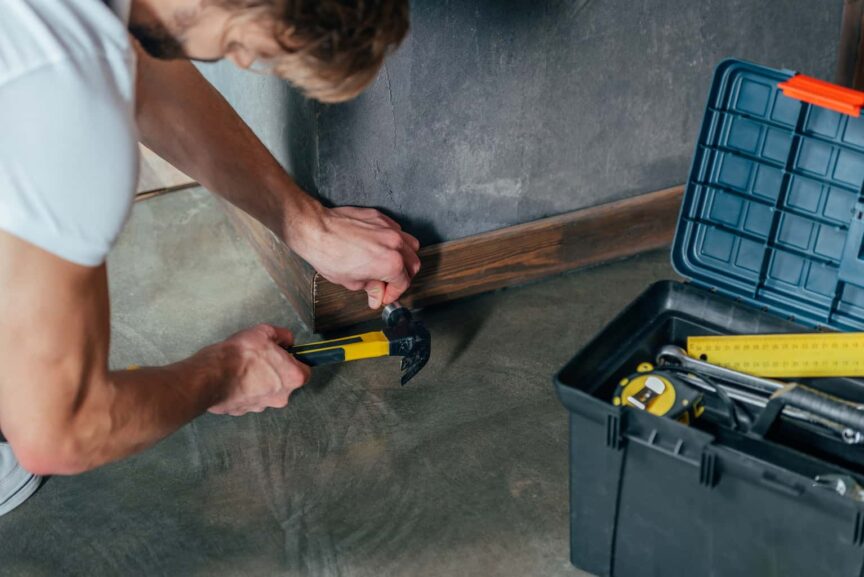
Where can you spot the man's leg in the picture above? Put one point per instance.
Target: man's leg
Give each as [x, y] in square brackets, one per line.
[16, 484]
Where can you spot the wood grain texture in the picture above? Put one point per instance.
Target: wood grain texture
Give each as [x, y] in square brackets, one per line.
[848, 46]
[518, 254]
[479, 263]
[849, 71]
[295, 278]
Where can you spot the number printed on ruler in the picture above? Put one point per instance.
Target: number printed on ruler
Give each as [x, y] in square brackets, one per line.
[787, 355]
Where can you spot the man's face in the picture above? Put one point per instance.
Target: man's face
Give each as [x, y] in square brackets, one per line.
[205, 33]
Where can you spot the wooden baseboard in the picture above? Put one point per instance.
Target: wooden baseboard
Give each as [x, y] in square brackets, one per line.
[294, 277]
[849, 51]
[480, 263]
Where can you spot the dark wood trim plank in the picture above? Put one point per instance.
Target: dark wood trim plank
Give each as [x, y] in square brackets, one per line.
[849, 49]
[295, 278]
[480, 263]
[518, 254]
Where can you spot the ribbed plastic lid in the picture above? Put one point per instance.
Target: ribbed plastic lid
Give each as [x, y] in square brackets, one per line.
[772, 212]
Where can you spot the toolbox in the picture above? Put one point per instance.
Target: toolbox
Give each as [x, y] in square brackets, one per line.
[770, 237]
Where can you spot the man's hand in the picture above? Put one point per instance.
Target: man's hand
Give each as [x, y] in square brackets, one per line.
[64, 412]
[265, 374]
[358, 248]
[180, 116]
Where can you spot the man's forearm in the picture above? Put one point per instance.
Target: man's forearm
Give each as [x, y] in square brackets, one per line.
[146, 405]
[185, 120]
[182, 118]
[54, 331]
[125, 412]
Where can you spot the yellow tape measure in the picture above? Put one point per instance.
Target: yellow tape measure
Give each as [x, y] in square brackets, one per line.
[792, 355]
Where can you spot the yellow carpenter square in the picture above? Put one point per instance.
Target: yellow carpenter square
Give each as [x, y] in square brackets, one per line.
[787, 355]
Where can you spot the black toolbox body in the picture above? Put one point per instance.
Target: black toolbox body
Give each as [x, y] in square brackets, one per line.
[650, 496]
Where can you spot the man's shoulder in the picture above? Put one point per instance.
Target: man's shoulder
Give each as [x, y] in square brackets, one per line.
[36, 34]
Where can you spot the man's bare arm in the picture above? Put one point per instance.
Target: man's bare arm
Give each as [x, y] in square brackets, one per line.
[186, 121]
[64, 412]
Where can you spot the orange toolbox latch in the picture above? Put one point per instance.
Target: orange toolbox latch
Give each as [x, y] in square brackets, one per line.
[824, 94]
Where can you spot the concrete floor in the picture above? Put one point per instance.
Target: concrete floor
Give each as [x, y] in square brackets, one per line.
[463, 472]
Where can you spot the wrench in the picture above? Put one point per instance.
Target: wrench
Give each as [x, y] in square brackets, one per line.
[678, 356]
[819, 405]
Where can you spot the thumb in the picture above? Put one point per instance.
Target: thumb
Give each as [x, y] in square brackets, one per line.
[375, 290]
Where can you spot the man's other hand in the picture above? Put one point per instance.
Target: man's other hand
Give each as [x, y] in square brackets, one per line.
[261, 374]
[360, 249]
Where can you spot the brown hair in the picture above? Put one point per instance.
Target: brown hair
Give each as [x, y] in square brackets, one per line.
[333, 49]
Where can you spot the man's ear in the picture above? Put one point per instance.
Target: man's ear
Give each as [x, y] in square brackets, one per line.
[241, 56]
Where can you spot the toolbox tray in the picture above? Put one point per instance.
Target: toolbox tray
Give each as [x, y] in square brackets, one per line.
[770, 234]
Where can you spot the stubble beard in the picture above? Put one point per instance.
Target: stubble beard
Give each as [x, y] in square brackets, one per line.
[158, 41]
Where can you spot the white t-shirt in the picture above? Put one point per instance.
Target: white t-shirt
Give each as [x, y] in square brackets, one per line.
[68, 151]
[68, 142]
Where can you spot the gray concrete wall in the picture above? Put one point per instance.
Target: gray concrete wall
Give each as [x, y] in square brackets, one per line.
[496, 112]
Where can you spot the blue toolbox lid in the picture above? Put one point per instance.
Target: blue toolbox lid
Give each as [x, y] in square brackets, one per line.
[772, 212]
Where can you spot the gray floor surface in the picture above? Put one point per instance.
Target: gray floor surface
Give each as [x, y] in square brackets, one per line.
[463, 472]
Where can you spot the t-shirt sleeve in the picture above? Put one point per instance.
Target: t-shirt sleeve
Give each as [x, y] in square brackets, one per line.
[68, 158]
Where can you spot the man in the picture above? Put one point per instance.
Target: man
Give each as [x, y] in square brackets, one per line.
[76, 92]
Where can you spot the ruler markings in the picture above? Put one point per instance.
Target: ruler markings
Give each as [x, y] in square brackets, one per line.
[785, 355]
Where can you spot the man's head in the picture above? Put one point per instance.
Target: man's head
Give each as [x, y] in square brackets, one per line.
[330, 49]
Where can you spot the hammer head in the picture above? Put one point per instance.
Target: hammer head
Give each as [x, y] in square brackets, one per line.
[408, 338]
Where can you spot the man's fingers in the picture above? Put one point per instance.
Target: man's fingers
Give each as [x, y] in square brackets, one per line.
[390, 221]
[375, 291]
[351, 285]
[412, 261]
[411, 241]
[283, 336]
[278, 401]
[396, 287]
[291, 369]
[304, 369]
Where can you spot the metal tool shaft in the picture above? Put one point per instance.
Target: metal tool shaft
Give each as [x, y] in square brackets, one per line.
[839, 415]
[678, 356]
[847, 435]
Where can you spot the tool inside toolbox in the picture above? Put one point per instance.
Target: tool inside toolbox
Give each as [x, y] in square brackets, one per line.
[769, 241]
[726, 416]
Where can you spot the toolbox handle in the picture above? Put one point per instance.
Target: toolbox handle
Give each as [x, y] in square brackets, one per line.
[824, 94]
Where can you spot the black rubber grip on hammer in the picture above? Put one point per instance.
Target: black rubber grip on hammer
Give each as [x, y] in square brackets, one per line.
[823, 405]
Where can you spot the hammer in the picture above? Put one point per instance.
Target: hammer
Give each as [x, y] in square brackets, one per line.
[402, 337]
